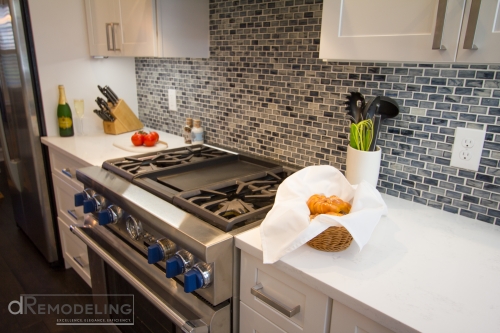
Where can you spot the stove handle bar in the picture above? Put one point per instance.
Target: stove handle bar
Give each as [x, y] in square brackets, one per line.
[188, 326]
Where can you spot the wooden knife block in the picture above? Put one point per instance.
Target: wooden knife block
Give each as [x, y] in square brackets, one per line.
[126, 120]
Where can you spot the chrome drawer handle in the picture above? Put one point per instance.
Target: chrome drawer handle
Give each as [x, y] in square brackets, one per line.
[72, 212]
[113, 35]
[438, 31]
[67, 172]
[108, 40]
[470, 33]
[289, 312]
[79, 261]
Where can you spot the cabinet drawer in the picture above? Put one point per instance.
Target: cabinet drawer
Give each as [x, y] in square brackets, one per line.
[282, 290]
[346, 320]
[65, 167]
[252, 322]
[64, 193]
[74, 251]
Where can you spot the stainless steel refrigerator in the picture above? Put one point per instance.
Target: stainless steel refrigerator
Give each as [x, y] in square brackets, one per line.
[21, 125]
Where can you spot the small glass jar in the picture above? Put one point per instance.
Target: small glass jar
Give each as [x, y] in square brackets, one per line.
[197, 133]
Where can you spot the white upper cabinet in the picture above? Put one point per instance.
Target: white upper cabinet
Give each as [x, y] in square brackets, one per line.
[480, 38]
[148, 28]
[408, 30]
[183, 28]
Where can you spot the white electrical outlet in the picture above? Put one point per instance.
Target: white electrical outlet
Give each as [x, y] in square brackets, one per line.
[172, 100]
[467, 149]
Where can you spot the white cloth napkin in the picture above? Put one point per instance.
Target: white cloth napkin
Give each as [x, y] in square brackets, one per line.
[287, 225]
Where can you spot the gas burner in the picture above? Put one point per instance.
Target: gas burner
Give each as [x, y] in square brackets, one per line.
[168, 158]
[239, 198]
[235, 207]
[149, 163]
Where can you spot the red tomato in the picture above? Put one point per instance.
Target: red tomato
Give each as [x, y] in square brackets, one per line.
[157, 136]
[149, 140]
[137, 139]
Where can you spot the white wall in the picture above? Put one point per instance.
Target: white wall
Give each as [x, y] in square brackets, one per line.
[62, 52]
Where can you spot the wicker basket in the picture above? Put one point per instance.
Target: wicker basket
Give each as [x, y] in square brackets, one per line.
[333, 239]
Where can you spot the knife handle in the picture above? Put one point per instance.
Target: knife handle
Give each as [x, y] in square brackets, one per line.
[112, 93]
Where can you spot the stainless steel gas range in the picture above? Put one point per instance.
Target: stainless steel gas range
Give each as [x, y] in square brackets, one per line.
[161, 226]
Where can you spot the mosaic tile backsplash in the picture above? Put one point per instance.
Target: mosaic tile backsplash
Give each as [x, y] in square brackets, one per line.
[264, 90]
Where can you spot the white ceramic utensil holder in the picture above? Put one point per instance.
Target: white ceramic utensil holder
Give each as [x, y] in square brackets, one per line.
[363, 165]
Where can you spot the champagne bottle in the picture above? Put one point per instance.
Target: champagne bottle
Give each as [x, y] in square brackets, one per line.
[64, 115]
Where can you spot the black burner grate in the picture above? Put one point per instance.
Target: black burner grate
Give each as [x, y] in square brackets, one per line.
[228, 203]
[163, 160]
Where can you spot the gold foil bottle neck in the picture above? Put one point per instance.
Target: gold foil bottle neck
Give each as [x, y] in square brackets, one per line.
[62, 95]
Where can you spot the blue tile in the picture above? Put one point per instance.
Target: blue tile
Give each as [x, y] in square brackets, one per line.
[470, 100]
[438, 81]
[443, 106]
[422, 80]
[456, 82]
[495, 84]
[474, 83]
[463, 91]
[460, 108]
[469, 74]
[484, 75]
[490, 101]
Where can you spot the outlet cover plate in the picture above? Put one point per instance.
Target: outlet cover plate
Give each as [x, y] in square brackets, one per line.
[172, 100]
[467, 148]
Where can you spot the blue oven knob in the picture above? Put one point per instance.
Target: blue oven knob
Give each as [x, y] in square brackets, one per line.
[174, 267]
[193, 280]
[79, 198]
[110, 215]
[89, 206]
[82, 196]
[105, 217]
[155, 253]
[180, 262]
[200, 276]
[163, 249]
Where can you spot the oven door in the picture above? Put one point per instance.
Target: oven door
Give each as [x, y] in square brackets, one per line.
[160, 304]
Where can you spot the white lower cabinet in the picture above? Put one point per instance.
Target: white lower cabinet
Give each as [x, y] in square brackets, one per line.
[346, 320]
[267, 296]
[65, 187]
[74, 251]
[272, 293]
[253, 322]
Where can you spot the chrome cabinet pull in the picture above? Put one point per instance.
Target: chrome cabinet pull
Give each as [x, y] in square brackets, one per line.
[289, 312]
[438, 31]
[67, 172]
[193, 326]
[470, 33]
[79, 261]
[108, 26]
[114, 36]
[72, 212]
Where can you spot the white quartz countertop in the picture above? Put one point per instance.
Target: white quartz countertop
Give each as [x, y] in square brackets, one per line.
[94, 149]
[423, 270]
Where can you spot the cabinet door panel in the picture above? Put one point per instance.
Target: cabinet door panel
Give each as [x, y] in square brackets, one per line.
[138, 28]
[487, 34]
[379, 19]
[100, 13]
[346, 320]
[253, 322]
[183, 28]
[389, 30]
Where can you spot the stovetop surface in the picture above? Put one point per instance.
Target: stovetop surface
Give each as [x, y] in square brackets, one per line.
[137, 165]
[224, 189]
